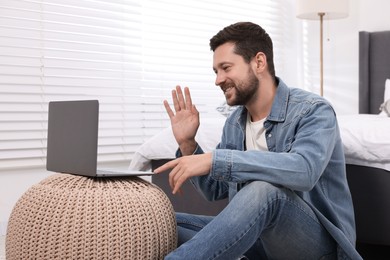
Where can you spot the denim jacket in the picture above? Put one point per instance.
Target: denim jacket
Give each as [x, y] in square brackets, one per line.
[305, 155]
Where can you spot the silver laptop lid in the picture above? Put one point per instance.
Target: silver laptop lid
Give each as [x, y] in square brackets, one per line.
[72, 139]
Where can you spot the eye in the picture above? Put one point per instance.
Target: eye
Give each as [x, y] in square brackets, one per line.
[226, 67]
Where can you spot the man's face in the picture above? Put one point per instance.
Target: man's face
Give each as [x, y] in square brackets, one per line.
[234, 76]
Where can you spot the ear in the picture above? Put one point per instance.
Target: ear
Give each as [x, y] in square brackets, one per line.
[260, 61]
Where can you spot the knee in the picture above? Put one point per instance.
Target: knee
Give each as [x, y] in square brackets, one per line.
[261, 187]
[256, 199]
[259, 192]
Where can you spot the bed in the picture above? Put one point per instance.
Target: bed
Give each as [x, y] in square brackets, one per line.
[365, 139]
[370, 184]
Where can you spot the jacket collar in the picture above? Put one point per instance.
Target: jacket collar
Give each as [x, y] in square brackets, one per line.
[279, 105]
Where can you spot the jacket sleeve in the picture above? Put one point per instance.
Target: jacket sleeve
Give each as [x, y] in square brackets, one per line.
[299, 160]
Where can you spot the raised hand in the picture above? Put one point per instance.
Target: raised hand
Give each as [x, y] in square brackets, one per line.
[184, 121]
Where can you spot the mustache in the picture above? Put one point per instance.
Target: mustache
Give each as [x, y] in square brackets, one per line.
[227, 85]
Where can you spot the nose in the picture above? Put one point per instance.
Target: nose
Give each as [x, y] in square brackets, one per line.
[220, 78]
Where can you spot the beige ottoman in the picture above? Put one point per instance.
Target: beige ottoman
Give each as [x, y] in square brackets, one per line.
[73, 217]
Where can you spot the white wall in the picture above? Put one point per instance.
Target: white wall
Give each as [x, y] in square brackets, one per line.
[374, 15]
[341, 49]
[340, 81]
[12, 186]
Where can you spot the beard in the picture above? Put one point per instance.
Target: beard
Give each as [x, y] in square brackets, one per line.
[245, 91]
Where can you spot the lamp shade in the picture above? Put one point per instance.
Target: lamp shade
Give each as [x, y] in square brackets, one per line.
[333, 9]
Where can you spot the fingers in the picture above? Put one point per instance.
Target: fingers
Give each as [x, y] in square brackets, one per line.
[168, 109]
[179, 182]
[181, 101]
[180, 97]
[166, 166]
[176, 103]
[195, 110]
[176, 176]
[188, 98]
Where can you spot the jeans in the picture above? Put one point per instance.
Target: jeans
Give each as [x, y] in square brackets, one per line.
[262, 221]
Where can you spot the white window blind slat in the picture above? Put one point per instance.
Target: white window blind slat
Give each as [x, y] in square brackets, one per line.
[183, 35]
[56, 50]
[127, 54]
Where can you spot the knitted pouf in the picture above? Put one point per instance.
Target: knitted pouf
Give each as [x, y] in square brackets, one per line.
[73, 217]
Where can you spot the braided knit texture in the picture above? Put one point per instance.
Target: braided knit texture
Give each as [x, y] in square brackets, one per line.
[74, 217]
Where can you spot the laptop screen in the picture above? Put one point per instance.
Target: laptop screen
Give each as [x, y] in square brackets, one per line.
[72, 139]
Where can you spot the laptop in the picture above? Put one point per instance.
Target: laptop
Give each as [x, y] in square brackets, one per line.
[72, 140]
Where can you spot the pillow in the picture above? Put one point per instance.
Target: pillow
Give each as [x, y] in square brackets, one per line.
[385, 107]
[386, 98]
[366, 140]
[225, 109]
[163, 145]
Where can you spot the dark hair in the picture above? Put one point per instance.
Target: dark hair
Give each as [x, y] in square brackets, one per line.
[249, 39]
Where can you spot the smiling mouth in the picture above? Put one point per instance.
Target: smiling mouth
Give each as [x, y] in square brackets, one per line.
[226, 88]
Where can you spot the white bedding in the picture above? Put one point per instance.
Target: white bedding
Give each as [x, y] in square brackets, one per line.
[164, 146]
[366, 140]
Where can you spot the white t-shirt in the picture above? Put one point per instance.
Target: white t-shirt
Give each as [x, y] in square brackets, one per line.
[255, 135]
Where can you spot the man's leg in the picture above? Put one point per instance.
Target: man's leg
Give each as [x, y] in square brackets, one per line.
[260, 213]
[188, 225]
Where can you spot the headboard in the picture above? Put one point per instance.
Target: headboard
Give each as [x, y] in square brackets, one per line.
[374, 69]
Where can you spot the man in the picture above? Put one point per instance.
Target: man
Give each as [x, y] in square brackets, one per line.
[280, 161]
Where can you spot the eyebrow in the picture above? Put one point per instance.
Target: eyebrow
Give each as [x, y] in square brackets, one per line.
[219, 65]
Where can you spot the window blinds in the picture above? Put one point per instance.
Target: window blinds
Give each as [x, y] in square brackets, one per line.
[127, 54]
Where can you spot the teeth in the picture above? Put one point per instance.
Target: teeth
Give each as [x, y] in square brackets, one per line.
[227, 88]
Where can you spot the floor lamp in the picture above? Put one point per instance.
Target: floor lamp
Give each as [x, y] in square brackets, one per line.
[320, 10]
